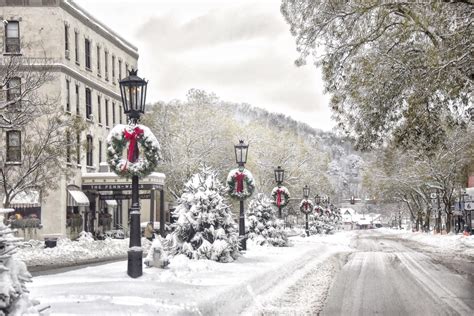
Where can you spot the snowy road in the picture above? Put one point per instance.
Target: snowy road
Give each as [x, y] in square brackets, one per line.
[388, 276]
[349, 273]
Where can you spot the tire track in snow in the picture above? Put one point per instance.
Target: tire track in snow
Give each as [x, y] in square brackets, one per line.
[307, 294]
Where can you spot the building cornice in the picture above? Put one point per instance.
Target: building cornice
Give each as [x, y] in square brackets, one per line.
[80, 77]
[85, 17]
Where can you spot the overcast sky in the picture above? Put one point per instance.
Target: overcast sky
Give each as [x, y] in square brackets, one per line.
[241, 50]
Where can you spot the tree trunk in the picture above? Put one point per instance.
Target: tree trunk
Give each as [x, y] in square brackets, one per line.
[427, 220]
[449, 218]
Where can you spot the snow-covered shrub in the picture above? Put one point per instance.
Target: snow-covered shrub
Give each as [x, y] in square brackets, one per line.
[14, 299]
[263, 226]
[204, 228]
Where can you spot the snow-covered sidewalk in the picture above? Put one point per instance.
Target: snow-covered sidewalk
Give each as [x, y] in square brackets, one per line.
[68, 252]
[198, 287]
[446, 243]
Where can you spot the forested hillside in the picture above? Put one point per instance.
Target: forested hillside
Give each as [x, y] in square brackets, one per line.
[203, 130]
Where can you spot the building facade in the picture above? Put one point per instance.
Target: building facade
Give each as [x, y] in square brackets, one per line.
[88, 60]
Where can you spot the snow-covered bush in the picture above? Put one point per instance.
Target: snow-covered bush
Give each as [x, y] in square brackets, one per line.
[204, 228]
[14, 299]
[263, 226]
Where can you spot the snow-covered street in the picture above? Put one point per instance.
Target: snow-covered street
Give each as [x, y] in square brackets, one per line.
[385, 274]
[354, 272]
[256, 280]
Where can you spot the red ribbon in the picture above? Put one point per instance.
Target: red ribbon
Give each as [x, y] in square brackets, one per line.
[305, 204]
[278, 197]
[132, 137]
[239, 177]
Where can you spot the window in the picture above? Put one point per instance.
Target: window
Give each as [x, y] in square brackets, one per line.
[113, 69]
[106, 112]
[120, 69]
[13, 146]
[78, 148]
[68, 96]
[78, 109]
[98, 59]
[88, 104]
[68, 146]
[126, 69]
[12, 36]
[106, 65]
[76, 47]
[87, 48]
[113, 113]
[14, 93]
[66, 40]
[99, 114]
[89, 151]
[100, 151]
[120, 114]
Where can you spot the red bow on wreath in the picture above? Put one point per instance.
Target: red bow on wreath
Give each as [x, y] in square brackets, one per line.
[133, 146]
[278, 197]
[239, 177]
[305, 204]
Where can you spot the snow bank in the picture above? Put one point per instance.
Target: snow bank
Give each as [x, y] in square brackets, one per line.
[68, 252]
[446, 243]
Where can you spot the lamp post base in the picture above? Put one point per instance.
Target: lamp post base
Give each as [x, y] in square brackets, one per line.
[135, 266]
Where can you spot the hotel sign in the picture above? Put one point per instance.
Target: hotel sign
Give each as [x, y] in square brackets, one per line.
[123, 196]
[118, 186]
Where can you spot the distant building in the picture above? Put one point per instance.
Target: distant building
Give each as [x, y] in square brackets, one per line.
[351, 219]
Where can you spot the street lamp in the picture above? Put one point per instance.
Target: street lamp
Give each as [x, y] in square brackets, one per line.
[241, 151]
[133, 91]
[317, 199]
[306, 191]
[279, 176]
[305, 198]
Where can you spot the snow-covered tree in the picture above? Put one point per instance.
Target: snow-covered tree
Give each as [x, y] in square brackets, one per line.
[14, 299]
[263, 226]
[394, 68]
[205, 228]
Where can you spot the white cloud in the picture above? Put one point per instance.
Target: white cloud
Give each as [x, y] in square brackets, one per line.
[240, 50]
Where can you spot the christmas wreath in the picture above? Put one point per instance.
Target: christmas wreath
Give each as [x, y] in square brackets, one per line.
[280, 196]
[240, 183]
[306, 206]
[132, 164]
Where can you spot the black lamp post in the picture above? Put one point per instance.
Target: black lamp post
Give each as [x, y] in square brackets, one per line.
[133, 90]
[305, 196]
[241, 151]
[317, 199]
[279, 176]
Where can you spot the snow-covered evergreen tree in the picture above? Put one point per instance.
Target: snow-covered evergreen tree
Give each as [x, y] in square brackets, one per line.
[13, 276]
[263, 225]
[204, 228]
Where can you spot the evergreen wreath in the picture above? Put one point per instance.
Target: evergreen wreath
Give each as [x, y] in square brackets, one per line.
[240, 183]
[283, 193]
[133, 164]
[306, 206]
